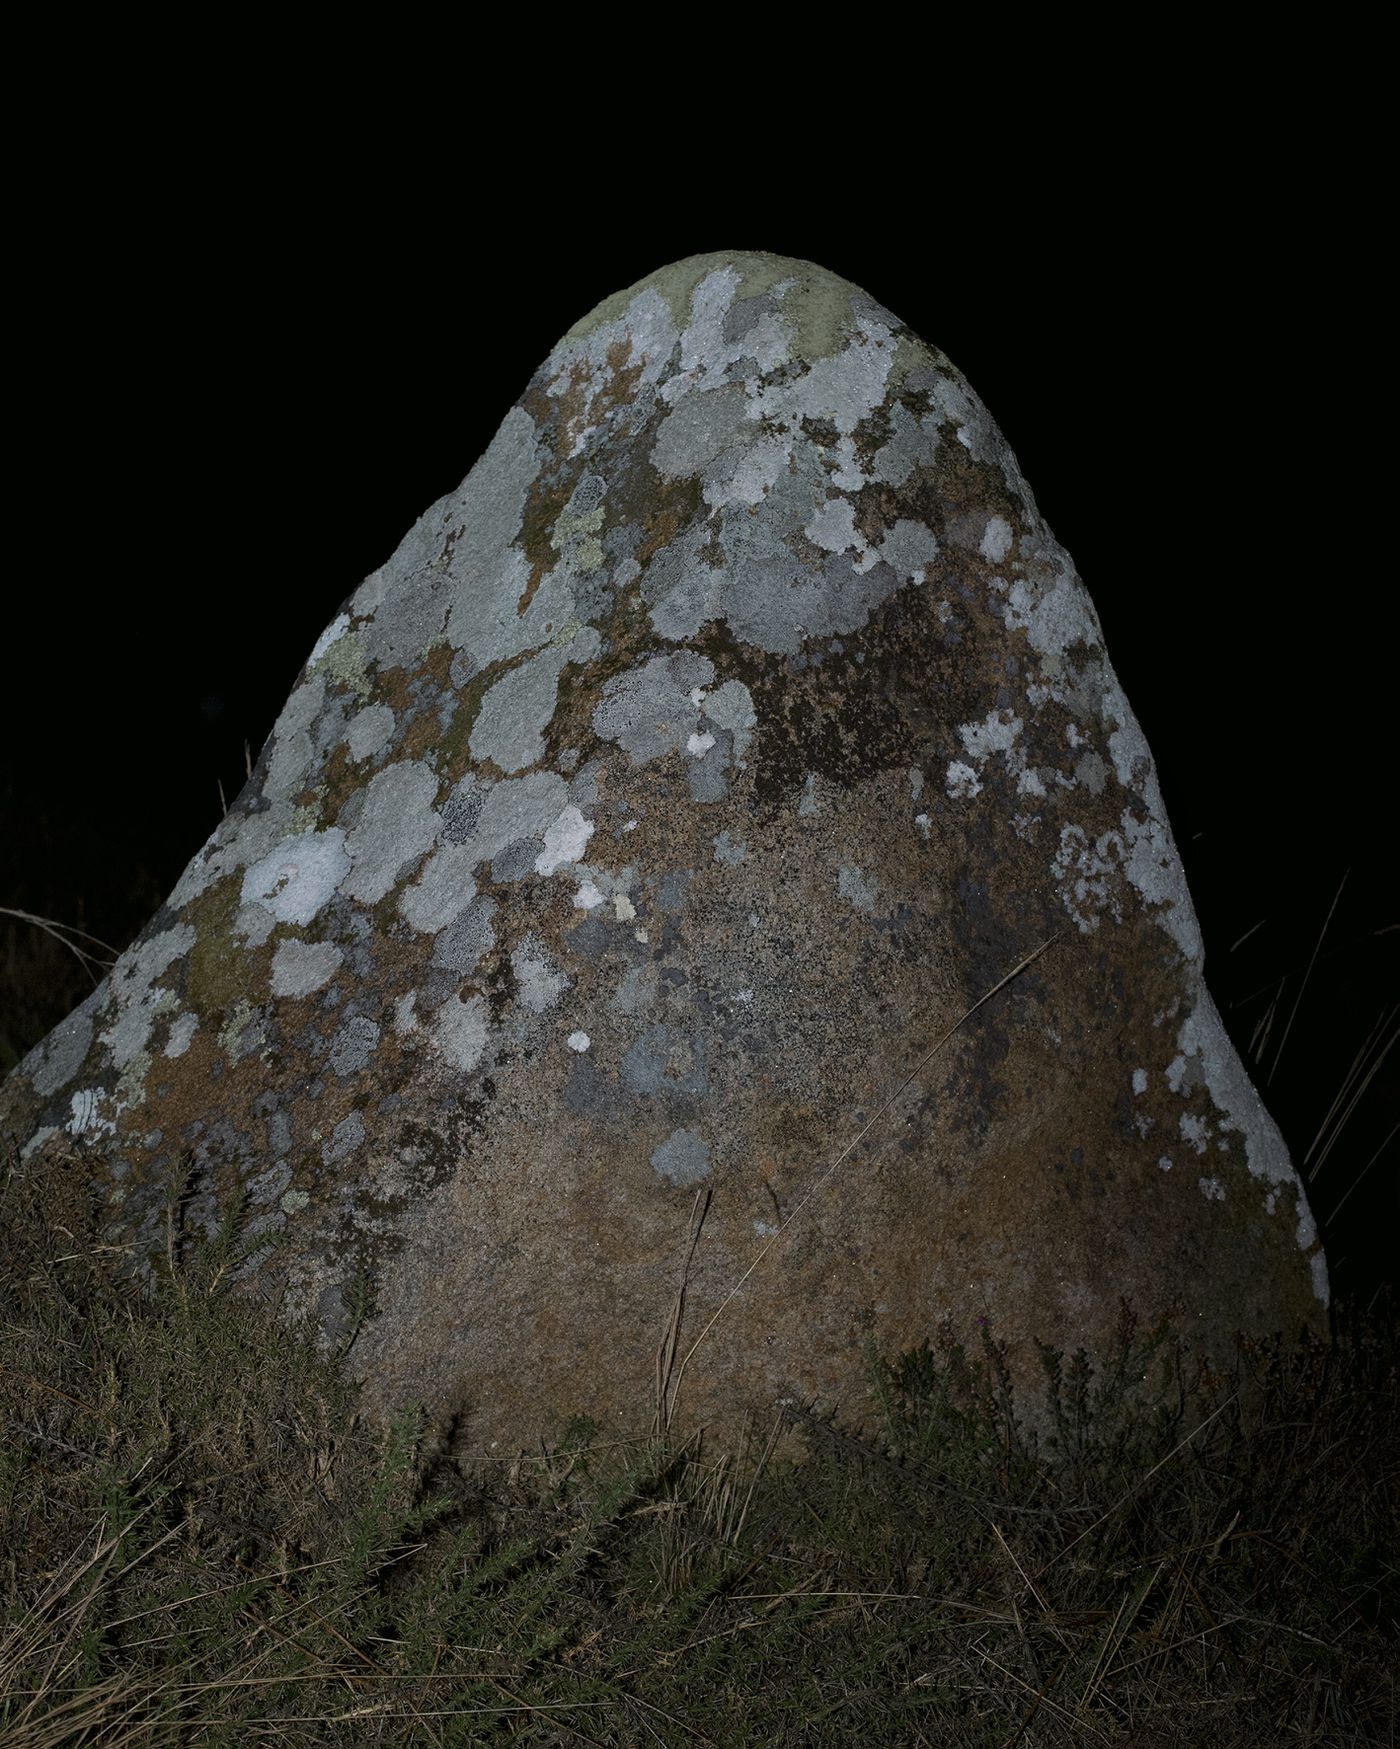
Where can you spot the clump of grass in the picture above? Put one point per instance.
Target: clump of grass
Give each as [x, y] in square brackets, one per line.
[46, 969]
[199, 1541]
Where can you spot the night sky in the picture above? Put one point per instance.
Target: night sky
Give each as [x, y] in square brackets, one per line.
[230, 410]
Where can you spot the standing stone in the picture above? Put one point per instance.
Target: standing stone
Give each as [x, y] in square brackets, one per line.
[631, 835]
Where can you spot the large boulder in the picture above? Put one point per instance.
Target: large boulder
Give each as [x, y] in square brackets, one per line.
[627, 841]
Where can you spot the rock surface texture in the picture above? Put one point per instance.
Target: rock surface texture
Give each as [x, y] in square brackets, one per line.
[631, 835]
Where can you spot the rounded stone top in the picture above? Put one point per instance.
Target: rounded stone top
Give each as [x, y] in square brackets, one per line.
[820, 306]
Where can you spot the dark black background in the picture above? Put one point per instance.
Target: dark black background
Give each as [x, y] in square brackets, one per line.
[239, 377]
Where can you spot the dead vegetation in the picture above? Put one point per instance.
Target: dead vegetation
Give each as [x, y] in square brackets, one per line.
[201, 1543]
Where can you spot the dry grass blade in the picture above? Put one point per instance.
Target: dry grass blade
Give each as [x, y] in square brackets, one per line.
[1039, 1696]
[1297, 1000]
[114, 1714]
[1046, 1612]
[907, 1082]
[1136, 1486]
[666, 1353]
[1263, 1029]
[1118, 1630]
[1240, 940]
[49, 1715]
[53, 1391]
[1355, 1085]
[61, 933]
[1341, 1201]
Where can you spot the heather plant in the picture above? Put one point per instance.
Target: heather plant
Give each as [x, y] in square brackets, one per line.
[204, 1541]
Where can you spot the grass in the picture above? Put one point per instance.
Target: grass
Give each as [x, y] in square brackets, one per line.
[201, 1542]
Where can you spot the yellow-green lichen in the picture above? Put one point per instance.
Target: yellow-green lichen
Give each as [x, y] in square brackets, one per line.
[566, 633]
[579, 534]
[345, 662]
[818, 307]
[131, 1083]
[238, 1018]
[218, 962]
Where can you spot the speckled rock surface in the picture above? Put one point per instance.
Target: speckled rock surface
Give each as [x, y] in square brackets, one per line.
[633, 832]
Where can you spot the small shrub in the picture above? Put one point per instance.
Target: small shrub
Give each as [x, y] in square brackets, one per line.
[202, 1542]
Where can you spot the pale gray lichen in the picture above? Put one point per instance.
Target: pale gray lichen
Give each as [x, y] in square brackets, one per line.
[300, 968]
[459, 1032]
[396, 826]
[59, 1057]
[565, 840]
[291, 750]
[683, 1158]
[443, 890]
[648, 711]
[730, 707]
[255, 923]
[1087, 876]
[856, 888]
[466, 941]
[996, 733]
[516, 811]
[138, 1002]
[92, 1113]
[1204, 1044]
[181, 1035]
[961, 781]
[909, 549]
[538, 978]
[369, 731]
[1054, 617]
[996, 540]
[334, 631]
[911, 445]
[344, 1139]
[353, 1045]
[515, 713]
[293, 882]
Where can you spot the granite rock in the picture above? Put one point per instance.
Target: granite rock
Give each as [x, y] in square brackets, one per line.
[628, 839]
